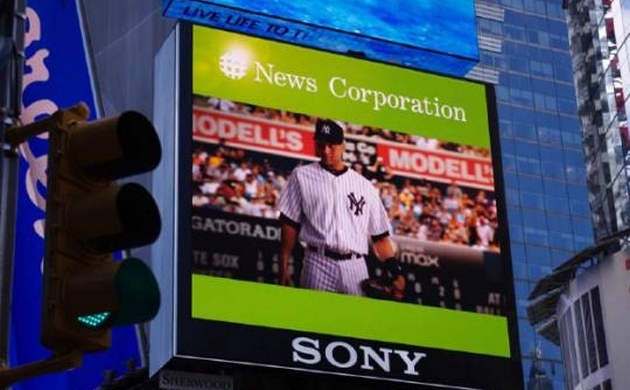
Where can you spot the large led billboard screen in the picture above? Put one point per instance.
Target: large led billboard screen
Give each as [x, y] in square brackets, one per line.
[422, 146]
[435, 36]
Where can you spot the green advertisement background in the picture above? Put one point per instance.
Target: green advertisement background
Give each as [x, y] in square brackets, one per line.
[281, 307]
[208, 80]
[272, 306]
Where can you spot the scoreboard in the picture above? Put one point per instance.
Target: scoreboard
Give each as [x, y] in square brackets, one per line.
[438, 274]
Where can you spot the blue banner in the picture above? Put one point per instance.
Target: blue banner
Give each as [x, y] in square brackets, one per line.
[437, 36]
[56, 75]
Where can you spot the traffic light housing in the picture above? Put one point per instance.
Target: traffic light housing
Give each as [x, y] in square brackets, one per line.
[89, 217]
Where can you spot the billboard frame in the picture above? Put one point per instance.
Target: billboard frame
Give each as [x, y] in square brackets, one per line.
[186, 330]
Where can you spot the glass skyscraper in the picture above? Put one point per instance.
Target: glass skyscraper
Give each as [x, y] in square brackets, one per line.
[598, 30]
[525, 53]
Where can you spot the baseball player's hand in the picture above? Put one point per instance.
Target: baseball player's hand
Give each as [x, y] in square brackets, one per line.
[285, 278]
[383, 289]
[390, 285]
[399, 285]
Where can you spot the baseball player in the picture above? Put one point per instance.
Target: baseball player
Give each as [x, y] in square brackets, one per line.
[336, 213]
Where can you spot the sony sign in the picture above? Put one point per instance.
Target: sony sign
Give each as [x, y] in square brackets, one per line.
[345, 356]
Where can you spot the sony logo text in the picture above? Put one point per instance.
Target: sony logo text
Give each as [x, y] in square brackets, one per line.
[310, 351]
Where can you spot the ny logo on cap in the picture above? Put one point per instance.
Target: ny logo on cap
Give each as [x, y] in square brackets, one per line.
[326, 129]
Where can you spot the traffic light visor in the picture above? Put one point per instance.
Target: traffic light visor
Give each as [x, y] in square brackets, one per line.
[116, 147]
[115, 293]
[138, 293]
[115, 218]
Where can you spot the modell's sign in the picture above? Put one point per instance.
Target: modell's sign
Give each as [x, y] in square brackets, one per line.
[278, 137]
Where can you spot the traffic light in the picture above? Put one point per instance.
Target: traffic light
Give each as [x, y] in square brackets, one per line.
[89, 217]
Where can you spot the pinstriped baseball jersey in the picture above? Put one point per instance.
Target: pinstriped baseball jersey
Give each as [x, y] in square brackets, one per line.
[339, 212]
[320, 273]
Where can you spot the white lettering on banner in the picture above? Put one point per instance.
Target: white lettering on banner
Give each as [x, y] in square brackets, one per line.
[442, 166]
[225, 260]
[176, 380]
[236, 228]
[351, 353]
[200, 258]
[35, 71]
[283, 79]
[370, 354]
[339, 88]
[359, 151]
[419, 259]
[219, 126]
[410, 362]
[307, 351]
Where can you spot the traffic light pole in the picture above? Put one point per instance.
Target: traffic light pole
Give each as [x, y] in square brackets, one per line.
[12, 29]
[88, 218]
[12, 138]
[55, 363]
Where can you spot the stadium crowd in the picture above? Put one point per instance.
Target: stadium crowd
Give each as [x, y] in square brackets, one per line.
[232, 180]
[356, 129]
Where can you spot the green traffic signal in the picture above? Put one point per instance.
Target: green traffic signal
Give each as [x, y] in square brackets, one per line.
[137, 297]
[94, 321]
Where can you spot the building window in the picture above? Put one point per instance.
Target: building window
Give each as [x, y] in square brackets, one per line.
[600, 334]
[568, 348]
[591, 348]
[607, 385]
[581, 338]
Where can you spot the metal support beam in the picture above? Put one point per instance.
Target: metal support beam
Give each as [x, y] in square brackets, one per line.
[12, 30]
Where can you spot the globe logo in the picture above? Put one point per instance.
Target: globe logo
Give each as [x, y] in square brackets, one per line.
[234, 65]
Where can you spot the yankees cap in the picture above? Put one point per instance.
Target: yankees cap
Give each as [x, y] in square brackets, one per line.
[328, 131]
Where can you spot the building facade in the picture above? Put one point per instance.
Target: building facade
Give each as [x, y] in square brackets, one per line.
[581, 306]
[600, 59]
[525, 52]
